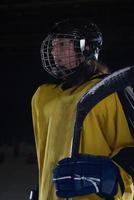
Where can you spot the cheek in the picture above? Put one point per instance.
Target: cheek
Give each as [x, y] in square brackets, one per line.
[70, 51]
[72, 55]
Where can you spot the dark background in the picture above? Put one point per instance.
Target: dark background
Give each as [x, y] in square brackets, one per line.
[23, 26]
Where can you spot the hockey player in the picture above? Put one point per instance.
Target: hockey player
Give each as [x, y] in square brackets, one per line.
[104, 167]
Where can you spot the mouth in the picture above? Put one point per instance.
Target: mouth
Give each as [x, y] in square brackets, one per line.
[58, 61]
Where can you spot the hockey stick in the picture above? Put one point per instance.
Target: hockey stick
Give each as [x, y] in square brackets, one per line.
[117, 81]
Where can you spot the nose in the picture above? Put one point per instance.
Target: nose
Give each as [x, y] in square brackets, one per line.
[56, 51]
[53, 51]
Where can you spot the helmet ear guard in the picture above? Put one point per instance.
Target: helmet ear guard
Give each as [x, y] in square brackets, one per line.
[94, 41]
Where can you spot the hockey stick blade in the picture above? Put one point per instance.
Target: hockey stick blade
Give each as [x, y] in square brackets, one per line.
[116, 81]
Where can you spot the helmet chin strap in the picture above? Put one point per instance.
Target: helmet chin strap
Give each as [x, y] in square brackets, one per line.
[93, 56]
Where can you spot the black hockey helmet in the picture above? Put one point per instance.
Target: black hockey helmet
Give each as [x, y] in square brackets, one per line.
[87, 40]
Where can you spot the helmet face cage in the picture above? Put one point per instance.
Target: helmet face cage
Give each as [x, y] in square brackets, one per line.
[49, 61]
[79, 40]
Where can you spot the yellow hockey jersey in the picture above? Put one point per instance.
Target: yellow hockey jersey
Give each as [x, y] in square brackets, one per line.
[105, 131]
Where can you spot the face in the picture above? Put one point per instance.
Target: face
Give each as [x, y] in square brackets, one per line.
[64, 53]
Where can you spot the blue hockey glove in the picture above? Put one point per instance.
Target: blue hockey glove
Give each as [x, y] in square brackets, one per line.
[85, 174]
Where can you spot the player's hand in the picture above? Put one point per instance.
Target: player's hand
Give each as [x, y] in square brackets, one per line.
[85, 174]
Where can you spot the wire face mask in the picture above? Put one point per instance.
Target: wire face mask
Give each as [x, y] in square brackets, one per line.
[63, 51]
[61, 54]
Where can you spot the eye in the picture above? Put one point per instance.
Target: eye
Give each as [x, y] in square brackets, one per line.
[61, 43]
[71, 41]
